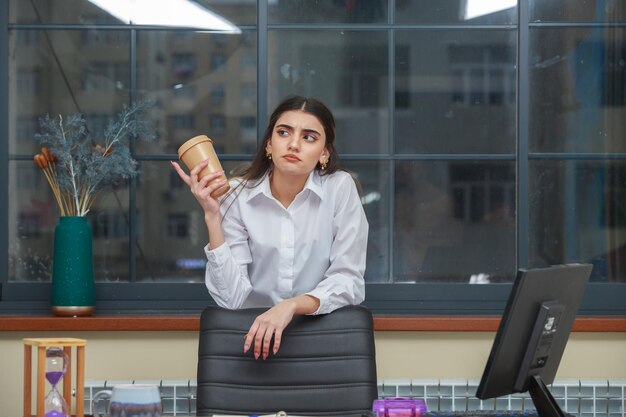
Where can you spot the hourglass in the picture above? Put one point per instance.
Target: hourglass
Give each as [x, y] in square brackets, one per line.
[56, 365]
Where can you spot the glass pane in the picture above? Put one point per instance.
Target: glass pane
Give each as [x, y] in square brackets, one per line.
[111, 230]
[59, 11]
[461, 99]
[579, 90]
[171, 238]
[577, 10]
[327, 11]
[75, 72]
[373, 178]
[578, 214]
[34, 214]
[347, 70]
[454, 221]
[203, 83]
[480, 12]
[210, 14]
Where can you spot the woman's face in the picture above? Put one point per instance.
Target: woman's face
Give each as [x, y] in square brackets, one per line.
[297, 144]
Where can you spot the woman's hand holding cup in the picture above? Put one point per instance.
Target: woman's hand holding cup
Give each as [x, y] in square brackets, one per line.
[206, 177]
[203, 189]
[199, 150]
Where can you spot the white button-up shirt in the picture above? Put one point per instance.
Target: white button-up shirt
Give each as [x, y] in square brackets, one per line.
[317, 246]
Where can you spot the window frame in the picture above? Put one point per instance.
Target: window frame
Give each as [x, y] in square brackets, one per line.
[402, 299]
[396, 299]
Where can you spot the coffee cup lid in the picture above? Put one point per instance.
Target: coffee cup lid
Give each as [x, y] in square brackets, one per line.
[192, 142]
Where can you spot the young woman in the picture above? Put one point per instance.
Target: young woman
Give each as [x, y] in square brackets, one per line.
[291, 234]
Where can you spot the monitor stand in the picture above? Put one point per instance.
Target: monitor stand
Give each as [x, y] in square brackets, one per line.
[538, 350]
[544, 402]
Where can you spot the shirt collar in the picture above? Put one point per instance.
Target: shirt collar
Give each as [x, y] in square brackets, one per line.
[313, 183]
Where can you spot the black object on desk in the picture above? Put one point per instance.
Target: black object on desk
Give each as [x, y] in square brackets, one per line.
[533, 333]
[326, 365]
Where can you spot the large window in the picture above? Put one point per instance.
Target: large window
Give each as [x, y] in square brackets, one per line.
[484, 140]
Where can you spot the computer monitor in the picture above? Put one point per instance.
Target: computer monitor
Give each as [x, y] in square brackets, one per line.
[532, 335]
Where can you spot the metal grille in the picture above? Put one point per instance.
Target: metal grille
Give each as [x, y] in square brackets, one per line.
[582, 398]
[177, 396]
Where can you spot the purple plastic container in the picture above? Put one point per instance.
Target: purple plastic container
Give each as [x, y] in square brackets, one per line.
[399, 407]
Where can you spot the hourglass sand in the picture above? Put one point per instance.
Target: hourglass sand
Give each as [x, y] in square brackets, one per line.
[56, 365]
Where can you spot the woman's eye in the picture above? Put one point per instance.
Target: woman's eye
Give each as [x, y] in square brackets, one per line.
[282, 132]
[310, 138]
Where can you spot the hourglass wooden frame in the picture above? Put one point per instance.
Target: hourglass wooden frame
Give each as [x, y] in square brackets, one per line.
[42, 344]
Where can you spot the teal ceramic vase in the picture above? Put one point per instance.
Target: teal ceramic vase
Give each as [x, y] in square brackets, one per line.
[73, 289]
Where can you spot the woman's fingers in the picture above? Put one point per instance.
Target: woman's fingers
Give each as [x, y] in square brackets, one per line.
[250, 336]
[278, 335]
[266, 341]
[204, 191]
[258, 340]
[193, 180]
[211, 179]
[259, 337]
[181, 173]
[254, 339]
[202, 188]
[196, 170]
[269, 325]
[193, 174]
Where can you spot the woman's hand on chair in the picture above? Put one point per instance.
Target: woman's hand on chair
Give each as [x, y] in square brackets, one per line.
[273, 322]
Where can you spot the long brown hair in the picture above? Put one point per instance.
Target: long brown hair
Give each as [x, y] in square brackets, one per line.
[261, 165]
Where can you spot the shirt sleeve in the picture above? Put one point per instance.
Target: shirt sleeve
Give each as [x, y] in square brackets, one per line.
[227, 265]
[344, 283]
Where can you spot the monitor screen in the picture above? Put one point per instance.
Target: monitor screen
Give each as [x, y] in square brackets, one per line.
[533, 332]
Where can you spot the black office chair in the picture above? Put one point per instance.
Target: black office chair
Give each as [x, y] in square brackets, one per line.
[326, 365]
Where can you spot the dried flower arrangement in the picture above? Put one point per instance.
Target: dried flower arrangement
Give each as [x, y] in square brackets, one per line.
[77, 167]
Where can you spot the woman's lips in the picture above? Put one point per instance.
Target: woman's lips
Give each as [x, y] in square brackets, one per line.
[290, 157]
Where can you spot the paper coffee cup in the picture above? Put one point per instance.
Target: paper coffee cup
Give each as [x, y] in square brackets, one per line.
[198, 149]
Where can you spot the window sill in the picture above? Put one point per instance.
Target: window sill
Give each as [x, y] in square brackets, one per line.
[192, 323]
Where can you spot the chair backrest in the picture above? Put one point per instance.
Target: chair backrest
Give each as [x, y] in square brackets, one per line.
[326, 365]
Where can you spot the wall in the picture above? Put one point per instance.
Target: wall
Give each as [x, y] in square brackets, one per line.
[172, 355]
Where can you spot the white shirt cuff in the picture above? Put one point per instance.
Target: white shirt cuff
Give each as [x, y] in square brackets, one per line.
[217, 257]
[324, 307]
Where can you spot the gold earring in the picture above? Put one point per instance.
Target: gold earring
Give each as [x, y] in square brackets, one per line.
[324, 164]
[268, 154]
